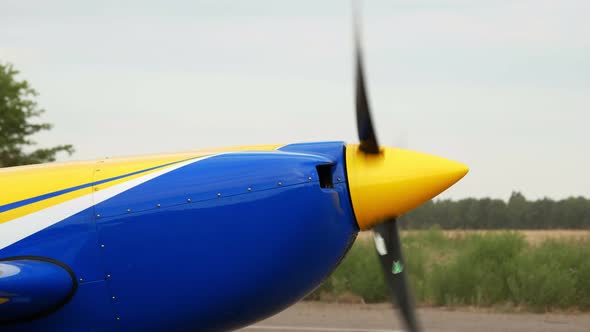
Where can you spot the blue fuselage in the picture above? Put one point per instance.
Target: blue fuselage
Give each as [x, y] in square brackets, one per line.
[214, 245]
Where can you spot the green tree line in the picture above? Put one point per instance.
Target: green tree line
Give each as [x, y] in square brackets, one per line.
[18, 110]
[487, 213]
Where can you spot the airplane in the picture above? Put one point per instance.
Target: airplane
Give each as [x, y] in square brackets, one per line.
[205, 240]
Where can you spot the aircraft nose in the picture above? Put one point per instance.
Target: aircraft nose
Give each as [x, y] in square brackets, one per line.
[391, 183]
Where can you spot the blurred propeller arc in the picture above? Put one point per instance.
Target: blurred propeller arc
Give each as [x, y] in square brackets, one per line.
[365, 129]
[386, 235]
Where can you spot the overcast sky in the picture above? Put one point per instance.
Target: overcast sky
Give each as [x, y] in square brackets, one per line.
[502, 86]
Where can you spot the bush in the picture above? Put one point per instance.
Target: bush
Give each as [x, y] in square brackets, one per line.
[552, 275]
[479, 269]
[359, 273]
[479, 273]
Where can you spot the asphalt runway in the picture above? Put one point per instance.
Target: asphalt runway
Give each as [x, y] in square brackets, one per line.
[323, 317]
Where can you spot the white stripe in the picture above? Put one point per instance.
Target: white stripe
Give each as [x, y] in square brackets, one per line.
[105, 194]
[314, 328]
[17, 229]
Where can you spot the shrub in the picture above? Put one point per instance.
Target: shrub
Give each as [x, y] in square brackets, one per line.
[479, 269]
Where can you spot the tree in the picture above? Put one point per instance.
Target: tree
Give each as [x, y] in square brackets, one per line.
[486, 213]
[17, 109]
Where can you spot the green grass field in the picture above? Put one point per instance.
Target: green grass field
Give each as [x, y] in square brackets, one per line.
[480, 269]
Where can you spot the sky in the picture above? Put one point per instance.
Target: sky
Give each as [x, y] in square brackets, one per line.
[502, 86]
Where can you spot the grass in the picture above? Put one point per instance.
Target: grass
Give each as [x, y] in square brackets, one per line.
[348, 277]
[475, 269]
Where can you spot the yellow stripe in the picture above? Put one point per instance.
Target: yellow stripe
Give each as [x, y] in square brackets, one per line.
[37, 206]
[110, 168]
[4, 300]
[19, 183]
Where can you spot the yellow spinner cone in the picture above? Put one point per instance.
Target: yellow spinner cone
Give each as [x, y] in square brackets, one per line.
[395, 181]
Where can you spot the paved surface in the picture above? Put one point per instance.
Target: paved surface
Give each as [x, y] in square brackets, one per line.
[322, 317]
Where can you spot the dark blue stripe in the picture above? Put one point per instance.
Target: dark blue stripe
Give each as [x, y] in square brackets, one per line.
[27, 201]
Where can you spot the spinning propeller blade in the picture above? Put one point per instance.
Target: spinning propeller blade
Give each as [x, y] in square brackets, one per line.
[366, 132]
[387, 242]
[386, 234]
[385, 183]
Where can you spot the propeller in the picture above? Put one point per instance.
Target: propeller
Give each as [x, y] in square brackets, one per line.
[386, 235]
[366, 132]
[388, 245]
